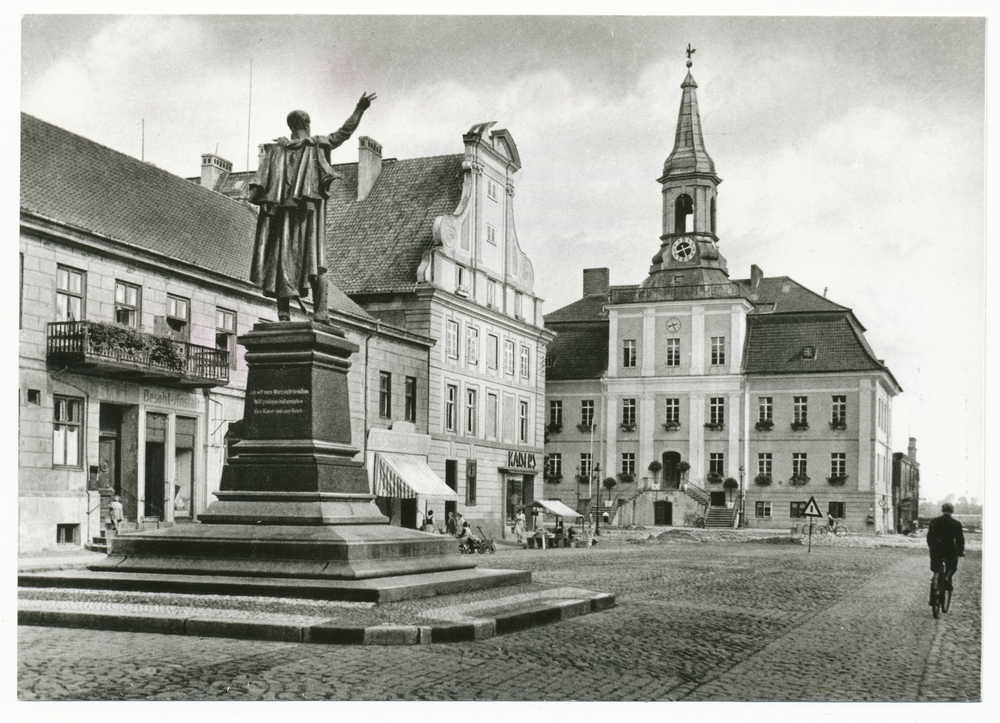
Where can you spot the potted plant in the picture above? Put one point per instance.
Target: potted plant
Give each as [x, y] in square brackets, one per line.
[627, 426]
[683, 467]
[838, 424]
[584, 427]
[717, 426]
[671, 424]
[554, 428]
[610, 482]
[764, 425]
[553, 477]
[583, 479]
[626, 478]
[654, 466]
[729, 485]
[798, 479]
[714, 477]
[762, 479]
[837, 480]
[800, 426]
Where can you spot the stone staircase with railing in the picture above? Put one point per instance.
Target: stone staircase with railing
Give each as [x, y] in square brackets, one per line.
[696, 493]
[720, 518]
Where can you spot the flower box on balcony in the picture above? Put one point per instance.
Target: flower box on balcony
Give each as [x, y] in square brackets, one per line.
[800, 426]
[716, 426]
[762, 479]
[714, 477]
[837, 480]
[625, 427]
[671, 425]
[764, 425]
[798, 480]
[838, 424]
[582, 479]
[553, 478]
[554, 428]
[585, 427]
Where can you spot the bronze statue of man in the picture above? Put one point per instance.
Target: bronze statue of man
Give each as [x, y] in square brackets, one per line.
[291, 187]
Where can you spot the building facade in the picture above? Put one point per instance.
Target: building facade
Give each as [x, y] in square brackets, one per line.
[702, 396]
[133, 291]
[906, 488]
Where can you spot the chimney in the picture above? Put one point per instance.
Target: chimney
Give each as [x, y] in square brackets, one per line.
[756, 275]
[369, 165]
[213, 168]
[911, 451]
[596, 282]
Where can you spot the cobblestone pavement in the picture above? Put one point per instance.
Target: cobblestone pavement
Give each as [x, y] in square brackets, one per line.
[694, 621]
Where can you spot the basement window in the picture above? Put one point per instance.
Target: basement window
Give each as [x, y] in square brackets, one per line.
[34, 396]
[68, 534]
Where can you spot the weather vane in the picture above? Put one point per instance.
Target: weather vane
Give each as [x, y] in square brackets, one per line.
[689, 52]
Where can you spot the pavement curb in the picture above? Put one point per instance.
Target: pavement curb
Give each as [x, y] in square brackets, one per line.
[328, 633]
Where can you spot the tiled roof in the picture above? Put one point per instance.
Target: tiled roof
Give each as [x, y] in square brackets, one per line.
[580, 351]
[774, 344]
[75, 181]
[586, 309]
[780, 294]
[375, 245]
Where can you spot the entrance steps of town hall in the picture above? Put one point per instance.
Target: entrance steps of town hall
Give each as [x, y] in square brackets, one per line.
[99, 542]
[720, 517]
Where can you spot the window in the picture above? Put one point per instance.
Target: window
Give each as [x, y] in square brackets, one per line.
[801, 410]
[470, 481]
[683, 214]
[508, 357]
[799, 464]
[451, 399]
[629, 359]
[522, 422]
[472, 345]
[628, 411]
[763, 509]
[491, 234]
[718, 350]
[384, 395]
[178, 314]
[764, 463]
[836, 510]
[716, 463]
[491, 293]
[518, 304]
[68, 534]
[410, 403]
[35, 396]
[67, 432]
[71, 286]
[628, 463]
[492, 351]
[839, 413]
[717, 410]
[673, 410]
[585, 464]
[673, 352]
[128, 298]
[587, 412]
[471, 411]
[451, 340]
[797, 509]
[491, 190]
[554, 463]
[838, 464]
[765, 409]
[225, 333]
[525, 362]
[491, 415]
[555, 412]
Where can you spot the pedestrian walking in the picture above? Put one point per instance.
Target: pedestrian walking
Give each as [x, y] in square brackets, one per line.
[429, 525]
[117, 513]
[519, 524]
[451, 525]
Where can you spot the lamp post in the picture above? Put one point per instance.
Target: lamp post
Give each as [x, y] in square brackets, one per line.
[743, 500]
[597, 515]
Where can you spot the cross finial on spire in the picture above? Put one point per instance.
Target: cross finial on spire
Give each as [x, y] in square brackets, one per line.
[690, 51]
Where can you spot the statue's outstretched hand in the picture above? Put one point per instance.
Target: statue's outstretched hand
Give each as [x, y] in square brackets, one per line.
[366, 100]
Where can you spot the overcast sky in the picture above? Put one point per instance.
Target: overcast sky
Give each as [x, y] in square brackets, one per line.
[852, 150]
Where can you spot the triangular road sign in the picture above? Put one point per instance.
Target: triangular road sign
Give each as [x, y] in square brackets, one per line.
[812, 509]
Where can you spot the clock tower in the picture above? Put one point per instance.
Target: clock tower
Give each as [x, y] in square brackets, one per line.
[689, 253]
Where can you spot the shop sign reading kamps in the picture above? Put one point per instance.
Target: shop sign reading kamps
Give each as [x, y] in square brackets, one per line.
[520, 460]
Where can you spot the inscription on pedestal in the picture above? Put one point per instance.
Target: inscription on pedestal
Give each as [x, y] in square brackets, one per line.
[279, 401]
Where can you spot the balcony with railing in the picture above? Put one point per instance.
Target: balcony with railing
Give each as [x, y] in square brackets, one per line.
[638, 295]
[112, 350]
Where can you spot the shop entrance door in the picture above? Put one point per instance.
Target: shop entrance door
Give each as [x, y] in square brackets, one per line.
[663, 513]
[156, 464]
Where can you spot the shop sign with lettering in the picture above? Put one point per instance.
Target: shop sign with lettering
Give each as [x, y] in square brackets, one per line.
[520, 460]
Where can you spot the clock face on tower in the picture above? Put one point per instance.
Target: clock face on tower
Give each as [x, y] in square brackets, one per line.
[683, 249]
[673, 325]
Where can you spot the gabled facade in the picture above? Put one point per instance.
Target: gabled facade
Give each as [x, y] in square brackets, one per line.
[712, 395]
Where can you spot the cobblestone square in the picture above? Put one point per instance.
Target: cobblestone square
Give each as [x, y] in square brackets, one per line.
[694, 621]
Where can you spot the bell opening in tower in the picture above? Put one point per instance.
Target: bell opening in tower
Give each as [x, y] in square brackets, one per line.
[683, 214]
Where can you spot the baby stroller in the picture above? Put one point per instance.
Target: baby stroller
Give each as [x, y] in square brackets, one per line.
[472, 545]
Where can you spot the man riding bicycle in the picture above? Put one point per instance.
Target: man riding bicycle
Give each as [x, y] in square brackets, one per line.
[947, 543]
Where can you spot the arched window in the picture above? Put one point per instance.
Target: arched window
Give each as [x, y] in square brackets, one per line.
[683, 214]
[713, 214]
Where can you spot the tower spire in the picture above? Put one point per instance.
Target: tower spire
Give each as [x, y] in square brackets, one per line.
[689, 154]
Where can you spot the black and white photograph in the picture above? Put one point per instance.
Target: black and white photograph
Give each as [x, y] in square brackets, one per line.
[540, 358]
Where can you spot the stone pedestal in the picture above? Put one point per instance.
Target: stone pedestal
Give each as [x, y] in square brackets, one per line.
[293, 502]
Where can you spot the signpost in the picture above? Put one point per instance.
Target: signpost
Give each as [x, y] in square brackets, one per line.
[812, 512]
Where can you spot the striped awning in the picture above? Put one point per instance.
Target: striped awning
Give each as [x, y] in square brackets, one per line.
[406, 476]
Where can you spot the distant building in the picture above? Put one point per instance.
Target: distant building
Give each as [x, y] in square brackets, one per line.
[705, 395]
[906, 488]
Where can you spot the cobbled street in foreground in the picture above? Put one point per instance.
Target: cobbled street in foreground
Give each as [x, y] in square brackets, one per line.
[695, 621]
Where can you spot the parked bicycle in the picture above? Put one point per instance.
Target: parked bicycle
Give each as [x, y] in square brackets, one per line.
[940, 591]
[838, 530]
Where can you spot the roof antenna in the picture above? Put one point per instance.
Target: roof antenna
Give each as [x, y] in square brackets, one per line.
[824, 291]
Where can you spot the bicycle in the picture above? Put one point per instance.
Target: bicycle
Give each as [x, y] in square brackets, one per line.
[838, 530]
[940, 594]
